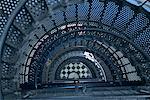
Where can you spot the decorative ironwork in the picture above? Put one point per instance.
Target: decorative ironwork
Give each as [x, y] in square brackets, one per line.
[33, 31]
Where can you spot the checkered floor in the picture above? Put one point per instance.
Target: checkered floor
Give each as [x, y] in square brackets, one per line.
[75, 71]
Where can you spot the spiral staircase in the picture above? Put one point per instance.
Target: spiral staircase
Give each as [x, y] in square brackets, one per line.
[47, 45]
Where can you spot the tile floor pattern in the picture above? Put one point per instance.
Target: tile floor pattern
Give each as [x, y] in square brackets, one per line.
[75, 71]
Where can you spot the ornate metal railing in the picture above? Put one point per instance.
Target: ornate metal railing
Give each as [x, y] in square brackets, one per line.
[25, 25]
